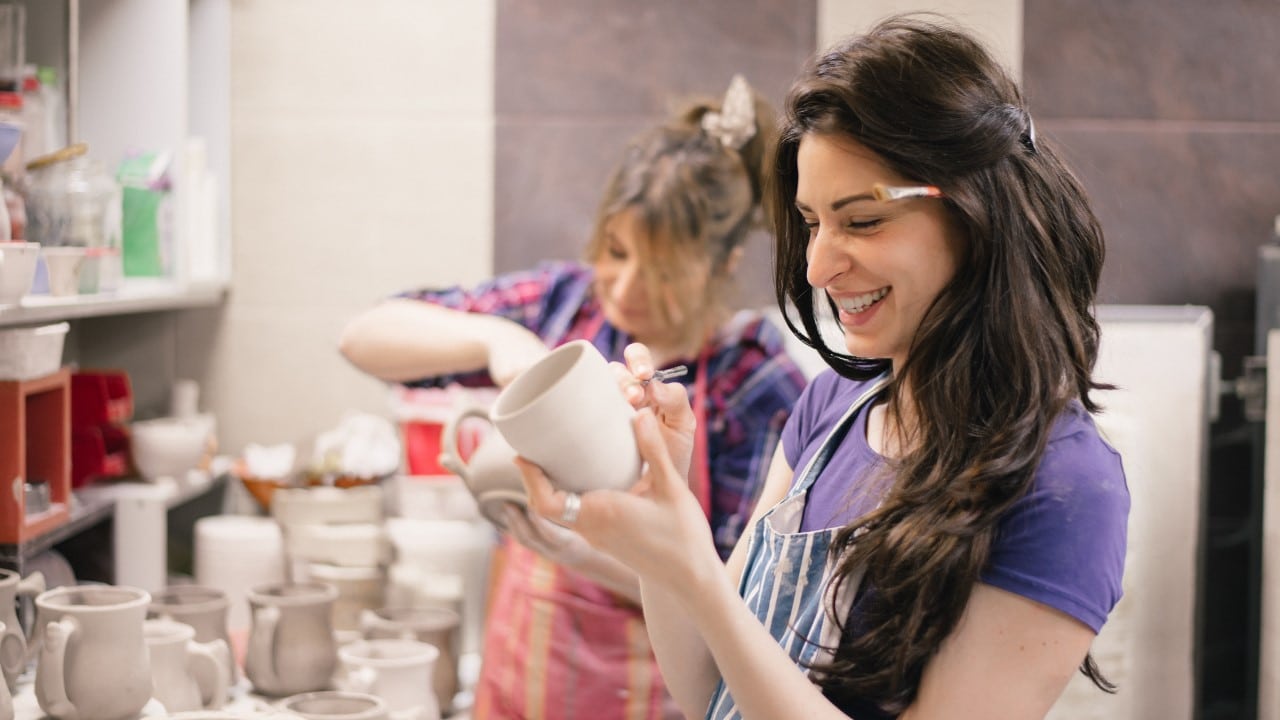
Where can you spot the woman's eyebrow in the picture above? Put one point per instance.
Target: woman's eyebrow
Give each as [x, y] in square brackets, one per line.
[839, 203]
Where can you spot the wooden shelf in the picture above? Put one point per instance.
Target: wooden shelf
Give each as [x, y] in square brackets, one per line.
[134, 297]
[93, 504]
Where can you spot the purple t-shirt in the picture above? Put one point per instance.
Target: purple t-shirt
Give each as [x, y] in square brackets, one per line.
[1062, 544]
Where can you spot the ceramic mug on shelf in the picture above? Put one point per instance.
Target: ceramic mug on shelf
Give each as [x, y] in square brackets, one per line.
[186, 675]
[566, 414]
[13, 641]
[291, 643]
[94, 663]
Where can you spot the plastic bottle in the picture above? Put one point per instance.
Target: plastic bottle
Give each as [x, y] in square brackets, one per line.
[34, 142]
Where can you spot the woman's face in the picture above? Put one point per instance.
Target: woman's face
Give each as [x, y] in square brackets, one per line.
[622, 284]
[882, 263]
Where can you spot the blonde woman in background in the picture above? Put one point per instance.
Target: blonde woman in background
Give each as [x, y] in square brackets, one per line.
[565, 637]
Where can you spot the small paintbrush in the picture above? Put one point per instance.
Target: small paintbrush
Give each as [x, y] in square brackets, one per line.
[669, 373]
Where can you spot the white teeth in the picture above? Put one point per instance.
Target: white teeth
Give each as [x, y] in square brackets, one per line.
[862, 302]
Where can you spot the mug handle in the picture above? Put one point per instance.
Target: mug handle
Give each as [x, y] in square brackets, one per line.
[262, 638]
[31, 586]
[449, 458]
[57, 633]
[206, 662]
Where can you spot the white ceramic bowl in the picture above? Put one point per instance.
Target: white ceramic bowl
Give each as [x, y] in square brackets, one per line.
[17, 270]
[168, 446]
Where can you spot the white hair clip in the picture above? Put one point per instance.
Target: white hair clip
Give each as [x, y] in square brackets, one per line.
[735, 124]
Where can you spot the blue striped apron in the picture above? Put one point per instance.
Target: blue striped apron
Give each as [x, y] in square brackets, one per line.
[787, 574]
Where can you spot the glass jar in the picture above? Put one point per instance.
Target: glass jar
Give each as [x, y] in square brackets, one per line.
[72, 200]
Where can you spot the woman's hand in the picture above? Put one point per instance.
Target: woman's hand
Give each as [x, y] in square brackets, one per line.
[668, 401]
[553, 542]
[656, 528]
[511, 349]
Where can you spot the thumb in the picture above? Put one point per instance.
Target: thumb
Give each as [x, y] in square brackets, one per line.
[653, 450]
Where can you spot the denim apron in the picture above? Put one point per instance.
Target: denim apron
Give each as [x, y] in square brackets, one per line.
[787, 575]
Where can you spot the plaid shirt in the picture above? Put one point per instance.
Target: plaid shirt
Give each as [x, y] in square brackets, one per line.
[751, 382]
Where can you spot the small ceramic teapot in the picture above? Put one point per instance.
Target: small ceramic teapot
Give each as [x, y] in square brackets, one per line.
[491, 474]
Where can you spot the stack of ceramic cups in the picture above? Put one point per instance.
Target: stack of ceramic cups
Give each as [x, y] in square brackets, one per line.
[336, 536]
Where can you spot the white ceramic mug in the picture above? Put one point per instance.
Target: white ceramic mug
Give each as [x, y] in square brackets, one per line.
[13, 641]
[185, 674]
[398, 671]
[94, 663]
[291, 643]
[566, 414]
[336, 705]
[438, 627]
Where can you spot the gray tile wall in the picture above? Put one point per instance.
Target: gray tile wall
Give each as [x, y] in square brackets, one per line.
[576, 78]
[1170, 112]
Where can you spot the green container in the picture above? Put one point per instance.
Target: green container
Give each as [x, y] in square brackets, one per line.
[143, 255]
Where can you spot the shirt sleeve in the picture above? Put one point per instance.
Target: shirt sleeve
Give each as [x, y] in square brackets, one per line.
[1063, 544]
[531, 298]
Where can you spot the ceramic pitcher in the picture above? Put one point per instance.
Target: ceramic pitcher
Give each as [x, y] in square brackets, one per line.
[203, 608]
[185, 674]
[13, 642]
[291, 642]
[491, 473]
[94, 663]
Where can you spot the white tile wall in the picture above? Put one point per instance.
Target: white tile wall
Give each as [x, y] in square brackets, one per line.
[362, 148]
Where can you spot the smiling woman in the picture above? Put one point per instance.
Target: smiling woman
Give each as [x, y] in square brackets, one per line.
[942, 532]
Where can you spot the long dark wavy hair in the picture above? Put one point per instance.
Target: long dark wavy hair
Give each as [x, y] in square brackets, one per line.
[1004, 347]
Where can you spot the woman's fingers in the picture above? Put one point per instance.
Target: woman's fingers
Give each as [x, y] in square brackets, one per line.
[543, 498]
[653, 450]
[639, 360]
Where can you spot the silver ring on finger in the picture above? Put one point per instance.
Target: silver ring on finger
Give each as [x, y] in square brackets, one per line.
[572, 504]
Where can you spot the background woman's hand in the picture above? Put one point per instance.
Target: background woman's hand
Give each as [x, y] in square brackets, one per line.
[512, 348]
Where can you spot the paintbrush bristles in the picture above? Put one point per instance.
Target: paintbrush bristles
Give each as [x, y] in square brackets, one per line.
[889, 193]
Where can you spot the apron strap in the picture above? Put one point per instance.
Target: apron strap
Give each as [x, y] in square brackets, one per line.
[701, 476]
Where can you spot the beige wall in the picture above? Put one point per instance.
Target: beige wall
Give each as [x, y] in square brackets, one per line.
[998, 22]
[362, 152]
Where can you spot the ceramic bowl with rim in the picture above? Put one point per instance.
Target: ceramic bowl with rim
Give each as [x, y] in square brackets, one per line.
[168, 446]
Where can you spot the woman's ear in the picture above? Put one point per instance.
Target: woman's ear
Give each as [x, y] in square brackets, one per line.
[732, 262]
